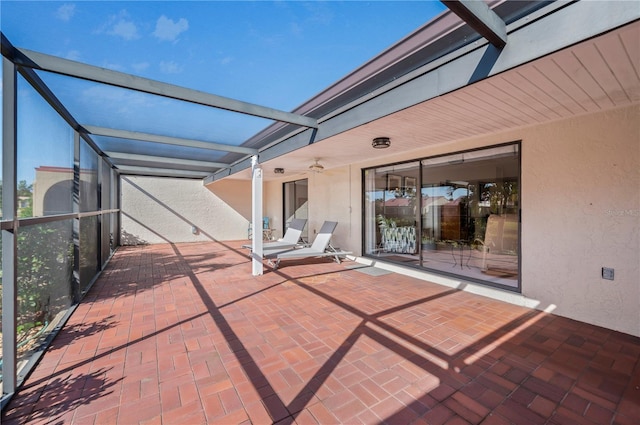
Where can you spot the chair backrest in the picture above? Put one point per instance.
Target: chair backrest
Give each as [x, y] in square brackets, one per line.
[294, 231]
[321, 242]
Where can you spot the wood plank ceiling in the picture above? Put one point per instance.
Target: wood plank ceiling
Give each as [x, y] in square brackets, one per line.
[593, 76]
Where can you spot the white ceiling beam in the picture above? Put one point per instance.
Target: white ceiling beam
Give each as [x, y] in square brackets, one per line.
[163, 172]
[167, 140]
[164, 160]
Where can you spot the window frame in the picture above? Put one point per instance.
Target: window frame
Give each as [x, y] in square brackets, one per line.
[517, 144]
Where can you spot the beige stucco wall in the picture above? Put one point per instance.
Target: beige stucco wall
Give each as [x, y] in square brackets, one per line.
[46, 177]
[334, 195]
[160, 210]
[272, 205]
[580, 212]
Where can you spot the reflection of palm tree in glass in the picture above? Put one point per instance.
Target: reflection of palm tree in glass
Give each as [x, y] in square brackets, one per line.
[500, 196]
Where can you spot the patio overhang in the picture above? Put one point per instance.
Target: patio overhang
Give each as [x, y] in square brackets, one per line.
[475, 90]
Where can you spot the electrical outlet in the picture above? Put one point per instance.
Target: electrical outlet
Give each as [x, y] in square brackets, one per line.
[607, 273]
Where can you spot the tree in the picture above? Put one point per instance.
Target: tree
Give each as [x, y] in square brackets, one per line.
[25, 199]
[25, 189]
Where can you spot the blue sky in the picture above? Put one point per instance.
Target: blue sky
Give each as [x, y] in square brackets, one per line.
[277, 54]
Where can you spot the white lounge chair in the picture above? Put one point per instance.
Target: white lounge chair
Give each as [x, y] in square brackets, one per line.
[320, 248]
[290, 239]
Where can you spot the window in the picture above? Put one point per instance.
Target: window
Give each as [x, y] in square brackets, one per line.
[456, 214]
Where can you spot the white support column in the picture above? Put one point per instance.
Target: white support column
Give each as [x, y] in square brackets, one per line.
[256, 217]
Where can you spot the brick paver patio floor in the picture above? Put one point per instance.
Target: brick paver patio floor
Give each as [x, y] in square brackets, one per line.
[183, 334]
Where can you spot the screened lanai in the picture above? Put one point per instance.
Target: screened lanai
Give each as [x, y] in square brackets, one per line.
[468, 70]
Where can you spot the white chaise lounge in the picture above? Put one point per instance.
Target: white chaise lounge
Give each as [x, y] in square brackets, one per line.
[320, 248]
[290, 239]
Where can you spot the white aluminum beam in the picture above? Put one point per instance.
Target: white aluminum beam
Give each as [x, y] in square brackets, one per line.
[481, 18]
[44, 62]
[163, 172]
[155, 138]
[165, 160]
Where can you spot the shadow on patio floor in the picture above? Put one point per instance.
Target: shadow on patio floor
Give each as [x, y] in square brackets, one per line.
[189, 336]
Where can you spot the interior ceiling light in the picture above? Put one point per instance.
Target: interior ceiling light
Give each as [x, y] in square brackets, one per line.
[315, 167]
[381, 142]
[278, 170]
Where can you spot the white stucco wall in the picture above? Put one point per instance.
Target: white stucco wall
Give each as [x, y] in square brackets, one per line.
[334, 195]
[160, 210]
[580, 212]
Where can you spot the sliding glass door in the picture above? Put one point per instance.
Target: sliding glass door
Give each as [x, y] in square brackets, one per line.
[470, 214]
[392, 211]
[455, 214]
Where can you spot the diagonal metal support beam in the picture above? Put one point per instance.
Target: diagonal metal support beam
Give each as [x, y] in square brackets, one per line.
[146, 137]
[44, 62]
[481, 18]
[165, 160]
